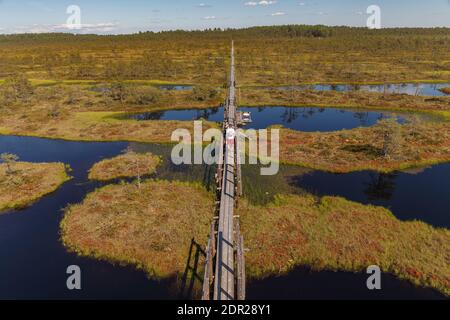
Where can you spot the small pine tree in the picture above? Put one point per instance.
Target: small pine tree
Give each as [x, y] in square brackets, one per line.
[9, 159]
[392, 138]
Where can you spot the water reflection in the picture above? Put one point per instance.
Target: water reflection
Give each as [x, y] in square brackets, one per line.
[380, 186]
[415, 89]
[309, 119]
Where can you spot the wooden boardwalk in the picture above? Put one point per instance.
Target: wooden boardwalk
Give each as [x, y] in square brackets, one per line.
[227, 276]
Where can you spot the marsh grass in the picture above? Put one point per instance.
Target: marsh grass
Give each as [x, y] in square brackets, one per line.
[26, 182]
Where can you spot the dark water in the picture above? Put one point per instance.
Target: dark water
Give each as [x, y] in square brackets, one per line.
[424, 195]
[415, 89]
[309, 119]
[174, 87]
[33, 262]
[304, 284]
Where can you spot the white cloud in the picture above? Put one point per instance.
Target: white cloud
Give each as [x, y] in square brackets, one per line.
[263, 3]
[266, 3]
[84, 28]
[278, 14]
[209, 18]
[204, 5]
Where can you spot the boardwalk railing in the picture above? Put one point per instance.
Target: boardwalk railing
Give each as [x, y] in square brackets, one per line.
[208, 279]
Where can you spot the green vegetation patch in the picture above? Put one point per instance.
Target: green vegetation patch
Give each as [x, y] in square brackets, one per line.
[336, 234]
[150, 226]
[130, 164]
[22, 183]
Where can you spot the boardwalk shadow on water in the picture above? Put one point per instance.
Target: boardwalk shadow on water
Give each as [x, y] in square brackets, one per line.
[191, 281]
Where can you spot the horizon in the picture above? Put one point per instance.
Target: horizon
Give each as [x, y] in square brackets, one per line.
[209, 30]
[134, 16]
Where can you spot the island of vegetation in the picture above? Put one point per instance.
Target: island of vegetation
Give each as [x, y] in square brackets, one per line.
[130, 164]
[385, 147]
[22, 183]
[151, 226]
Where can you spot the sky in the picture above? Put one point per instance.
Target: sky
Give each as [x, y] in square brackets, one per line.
[130, 16]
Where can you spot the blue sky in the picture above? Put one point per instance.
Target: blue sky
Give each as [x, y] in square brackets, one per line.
[128, 16]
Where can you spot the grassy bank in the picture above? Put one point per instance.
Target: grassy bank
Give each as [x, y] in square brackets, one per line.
[23, 183]
[335, 234]
[91, 126]
[152, 227]
[127, 165]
